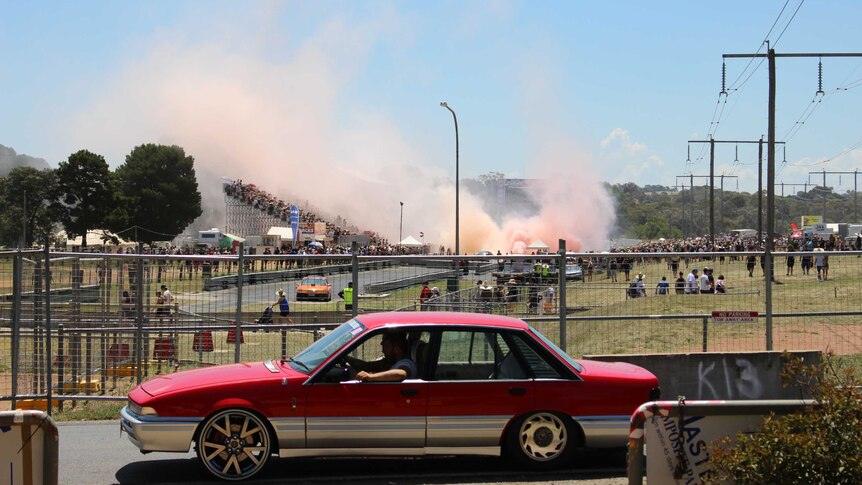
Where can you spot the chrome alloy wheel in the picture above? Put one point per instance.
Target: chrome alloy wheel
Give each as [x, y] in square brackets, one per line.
[234, 444]
[543, 437]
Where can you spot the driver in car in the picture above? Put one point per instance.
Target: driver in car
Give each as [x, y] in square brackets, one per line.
[395, 357]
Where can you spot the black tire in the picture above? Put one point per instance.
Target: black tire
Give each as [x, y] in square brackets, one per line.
[542, 440]
[234, 444]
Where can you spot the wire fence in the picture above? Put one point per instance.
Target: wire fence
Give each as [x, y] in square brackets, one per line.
[90, 326]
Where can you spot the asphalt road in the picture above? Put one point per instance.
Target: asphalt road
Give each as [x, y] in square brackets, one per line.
[94, 453]
[261, 295]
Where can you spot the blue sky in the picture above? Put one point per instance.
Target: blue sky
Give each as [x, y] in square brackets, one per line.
[610, 90]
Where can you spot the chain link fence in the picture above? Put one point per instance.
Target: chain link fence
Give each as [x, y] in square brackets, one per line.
[90, 326]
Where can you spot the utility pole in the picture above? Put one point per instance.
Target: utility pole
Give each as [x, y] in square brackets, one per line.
[711, 178]
[803, 185]
[712, 143]
[770, 170]
[682, 205]
[855, 174]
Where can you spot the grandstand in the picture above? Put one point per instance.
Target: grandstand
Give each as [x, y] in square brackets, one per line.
[252, 211]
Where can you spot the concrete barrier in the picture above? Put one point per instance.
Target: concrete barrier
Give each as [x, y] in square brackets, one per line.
[29, 443]
[718, 375]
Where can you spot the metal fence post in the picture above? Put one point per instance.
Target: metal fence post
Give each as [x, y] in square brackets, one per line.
[139, 309]
[705, 332]
[238, 324]
[767, 267]
[61, 358]
[16, 323]
[354, 268]
[561, 280]
[48, 347]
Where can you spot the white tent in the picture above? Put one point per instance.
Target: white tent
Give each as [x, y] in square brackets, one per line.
[410, 242]
[285, 233]
[96, 237]
[538, 245]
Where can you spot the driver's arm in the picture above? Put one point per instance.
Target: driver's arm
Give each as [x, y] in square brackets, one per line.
[391, 375]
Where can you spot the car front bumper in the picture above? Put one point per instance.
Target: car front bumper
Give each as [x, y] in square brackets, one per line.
[156, 433]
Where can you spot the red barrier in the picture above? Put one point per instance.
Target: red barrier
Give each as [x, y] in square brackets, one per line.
[203, 342]
[164, 348]
[231, 337]
[118, 353]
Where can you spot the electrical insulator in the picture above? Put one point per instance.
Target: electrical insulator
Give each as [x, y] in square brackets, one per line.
[820, 77]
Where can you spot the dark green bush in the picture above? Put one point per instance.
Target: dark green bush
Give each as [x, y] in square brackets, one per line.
[822, 444]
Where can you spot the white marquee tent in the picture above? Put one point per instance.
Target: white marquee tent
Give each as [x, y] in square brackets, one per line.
[410, 242]
[538, 245]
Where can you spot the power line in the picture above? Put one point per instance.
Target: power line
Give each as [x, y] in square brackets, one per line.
[788, 23]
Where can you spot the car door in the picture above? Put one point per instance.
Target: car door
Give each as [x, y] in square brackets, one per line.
[478, 385]
[354, 414]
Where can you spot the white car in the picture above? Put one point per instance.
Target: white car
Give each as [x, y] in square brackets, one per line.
[574, 272]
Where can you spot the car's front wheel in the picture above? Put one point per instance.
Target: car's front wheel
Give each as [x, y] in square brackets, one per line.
[541, 440]
[234, 444]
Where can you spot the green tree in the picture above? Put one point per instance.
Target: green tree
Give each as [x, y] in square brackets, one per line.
[83, 193]
[26, 186]
[156, 191]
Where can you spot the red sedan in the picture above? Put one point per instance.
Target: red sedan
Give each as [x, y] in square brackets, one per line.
[475, 384]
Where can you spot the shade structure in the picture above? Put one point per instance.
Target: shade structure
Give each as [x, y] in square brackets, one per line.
[538, 245]
[410, 242]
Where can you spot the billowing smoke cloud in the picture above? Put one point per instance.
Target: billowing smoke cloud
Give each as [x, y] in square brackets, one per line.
[277, 123]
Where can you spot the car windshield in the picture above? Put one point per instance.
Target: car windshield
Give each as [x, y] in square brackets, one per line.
[558, 350]
[316, 353]
[313, 281]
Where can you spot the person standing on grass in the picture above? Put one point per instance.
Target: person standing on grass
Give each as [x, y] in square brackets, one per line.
[691, 283]
[750, 262]
[283, 305]
[663, 287]
[168, 298]
[791, 261]
[680, 284]
[424, 295]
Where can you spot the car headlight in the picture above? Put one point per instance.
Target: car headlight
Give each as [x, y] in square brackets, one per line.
[141, 410]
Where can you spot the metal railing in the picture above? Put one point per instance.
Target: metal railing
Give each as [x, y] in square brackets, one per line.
[89, 326]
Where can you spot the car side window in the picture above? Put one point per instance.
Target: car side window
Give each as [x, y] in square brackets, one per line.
[539, 365]
[369, 350]
[475, 355]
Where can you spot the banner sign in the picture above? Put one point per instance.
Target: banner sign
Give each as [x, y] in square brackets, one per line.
[294, 223]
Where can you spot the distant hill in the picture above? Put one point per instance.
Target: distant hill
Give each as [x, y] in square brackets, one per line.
[10, 159]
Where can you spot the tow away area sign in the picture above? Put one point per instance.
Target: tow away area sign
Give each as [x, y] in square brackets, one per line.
[734, 317]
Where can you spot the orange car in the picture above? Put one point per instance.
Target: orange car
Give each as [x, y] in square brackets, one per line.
[314, 288]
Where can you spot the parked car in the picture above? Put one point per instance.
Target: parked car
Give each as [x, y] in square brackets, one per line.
[485, 385]
[314, 288]
[574, 272]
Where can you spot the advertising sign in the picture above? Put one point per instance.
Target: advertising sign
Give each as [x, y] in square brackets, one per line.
[810, 221]
[676, 449]
[294, 222]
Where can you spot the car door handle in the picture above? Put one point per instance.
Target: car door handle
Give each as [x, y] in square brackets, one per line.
[517, 391]
[409, 392]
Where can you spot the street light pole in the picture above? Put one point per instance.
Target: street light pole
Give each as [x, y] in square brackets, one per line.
[401, 224]
[457, 201]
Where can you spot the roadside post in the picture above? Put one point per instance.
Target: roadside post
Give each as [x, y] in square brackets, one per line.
[29, 444]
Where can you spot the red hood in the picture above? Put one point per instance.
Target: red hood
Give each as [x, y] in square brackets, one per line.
[217, 375]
